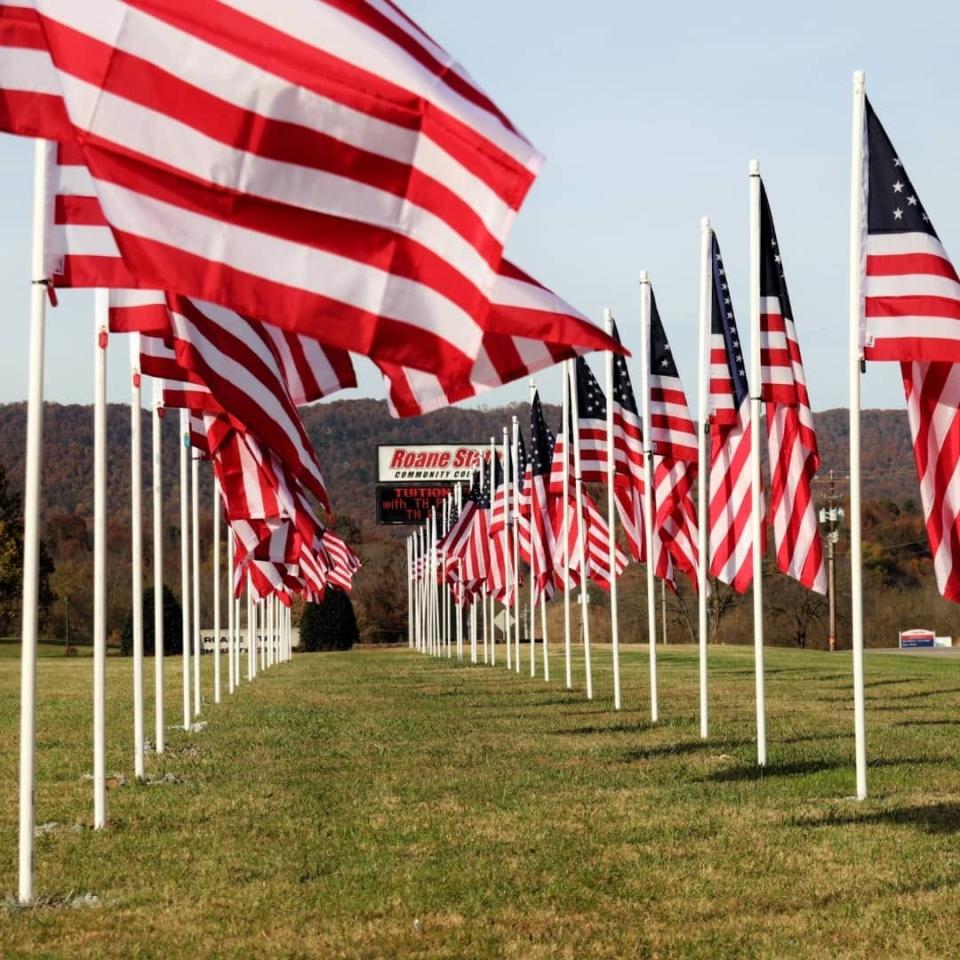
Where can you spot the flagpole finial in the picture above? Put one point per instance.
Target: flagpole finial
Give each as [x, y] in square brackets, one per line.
[754, 168]
[859, 78]
[644, 276]
[704, 223]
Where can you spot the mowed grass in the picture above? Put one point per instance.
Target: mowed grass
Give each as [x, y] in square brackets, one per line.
[383, 804]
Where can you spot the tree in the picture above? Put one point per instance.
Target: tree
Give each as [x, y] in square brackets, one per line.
[329, 625]
[172, 626]
[11, 561]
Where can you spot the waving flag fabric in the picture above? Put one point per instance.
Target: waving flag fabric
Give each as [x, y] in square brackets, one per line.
[320, 168]
[592, 416]
[730, 499]
[912, 314]
[791, 437]
[674, 443]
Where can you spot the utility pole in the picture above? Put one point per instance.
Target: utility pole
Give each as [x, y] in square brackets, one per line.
[830, 516]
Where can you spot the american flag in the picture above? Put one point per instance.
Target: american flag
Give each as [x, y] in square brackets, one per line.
[674, 444]
[364, 200]
[592, 424]
[791, 437]
[730, 500]
[912, 314]
[540, 542]
[628, 457]
[501, 560]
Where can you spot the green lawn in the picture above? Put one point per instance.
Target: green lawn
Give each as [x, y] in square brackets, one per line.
[381, 804]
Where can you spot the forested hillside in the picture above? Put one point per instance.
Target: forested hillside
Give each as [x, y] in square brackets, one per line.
[346, 434]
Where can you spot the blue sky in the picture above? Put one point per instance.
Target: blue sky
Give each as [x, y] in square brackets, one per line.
[648, 114]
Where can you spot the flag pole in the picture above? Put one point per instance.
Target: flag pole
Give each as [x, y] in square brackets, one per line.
[565, 429]
[185, 558]
[493, 609]
[533, 596]
[582, 531]
[409, 593]
[516, 545]
[756, 521]
[648, 489]
[157, 492]
[507, 470]
[856, 361]
[195, 542]
[611, 518]
[42, 155]
[231, 619]
[136, 551]
[460, 596]
[703, 466]
[101, 325]
[251, 630]
[216, 590]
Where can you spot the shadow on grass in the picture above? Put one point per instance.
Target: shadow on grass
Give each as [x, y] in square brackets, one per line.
[803, 768]
[620, 726]
[940, 818]
[680, 749]
[928, 723]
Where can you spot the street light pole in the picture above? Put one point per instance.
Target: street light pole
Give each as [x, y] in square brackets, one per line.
[831, 516]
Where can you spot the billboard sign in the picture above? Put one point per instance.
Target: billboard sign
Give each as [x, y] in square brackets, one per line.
[409, 503]
[430, 462]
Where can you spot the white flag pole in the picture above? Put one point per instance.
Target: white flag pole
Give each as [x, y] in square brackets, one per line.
[195, 556]
[611, 517]
[251, 634]
[231, 619]
[857, 198]
[157, 491]
[507, 520]
[703, 464]
[443, 572]
[648, 489]
[756, 386]
[582, 528]
[516, 546]
[533, 594]
[409, 593]
[565, 527]
[493, 608]
[543, 630]
[101, 325]
[185, 558]
[460, 606]
[217, 507]
[136, 551]
[42, 154]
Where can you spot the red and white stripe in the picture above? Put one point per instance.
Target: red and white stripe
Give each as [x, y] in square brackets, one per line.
[911, 299]
[673, 433]
[518, 303]
[730, 496]
[297, 175]
[792, 445]
[598, 546]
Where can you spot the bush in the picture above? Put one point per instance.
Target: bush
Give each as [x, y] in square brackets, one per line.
[172, 626]
[330, 625]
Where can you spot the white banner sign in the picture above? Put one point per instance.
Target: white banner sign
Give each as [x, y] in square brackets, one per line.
[430, 461]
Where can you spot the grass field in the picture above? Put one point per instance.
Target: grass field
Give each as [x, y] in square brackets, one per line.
[382, 804]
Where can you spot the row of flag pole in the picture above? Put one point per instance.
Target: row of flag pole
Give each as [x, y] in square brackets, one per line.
[904, 305]
[262, 202]
[257, 217]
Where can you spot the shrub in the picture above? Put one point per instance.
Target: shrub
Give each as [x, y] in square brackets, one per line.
[329, 625]
[172, 626]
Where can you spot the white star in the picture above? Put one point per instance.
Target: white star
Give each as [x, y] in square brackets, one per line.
[896, 162]
[912, 201]
[897, 187]
[898, 214]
